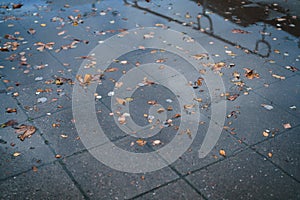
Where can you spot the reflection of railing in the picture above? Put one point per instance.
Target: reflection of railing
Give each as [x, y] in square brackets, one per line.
[209, 31]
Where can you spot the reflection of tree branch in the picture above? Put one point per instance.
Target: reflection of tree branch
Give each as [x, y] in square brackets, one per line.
[210, 32]
[203, 14]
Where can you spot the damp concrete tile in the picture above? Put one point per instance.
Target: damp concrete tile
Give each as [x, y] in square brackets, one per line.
[246, 175]
[44, 97]
[48, 182]
[175, 190]
[101, 182]
[283, 150]
[60, 132]
[247, 119]
[20, 156]
[284, 94]
[10, 109]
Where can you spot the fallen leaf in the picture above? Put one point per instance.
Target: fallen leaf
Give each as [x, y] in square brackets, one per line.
[156, 142]
[233, 97]
[278, 76]
[200, 56]
[141, 142]
[25, 131]
[17, 6]
[11, 110]
[152, 102]
[250, 74]
[177, 115]
[16, 154]
[121, 101]
[34, 168]
[268, 107]
[160, 110]
[222, 152]
[57, 156]
[287, 126]
[9, 123]
[240, 31]
[112, 69]
[218, 66]
[270, 155]
[31, 31]
[291, 68]
[266, 133]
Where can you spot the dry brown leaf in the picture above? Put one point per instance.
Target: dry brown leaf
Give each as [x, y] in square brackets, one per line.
[287, 126]
[160, 110]
[141, 142]
[121, 101]
[112, 69]
[250, 74]
[11, 110]
[34, 168]
[218, 66]
[31, 31]
[270, 155]
[25, 131]
[152, 102]
[200, 56]
[16, 154]
[222, 152]
[278, 76]
[177, 115]
[9, 123]
[233, 97]
[17, 6]
[240, 31]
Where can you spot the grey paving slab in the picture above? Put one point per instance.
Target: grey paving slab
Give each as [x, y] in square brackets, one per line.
[252, 119]
[20, 156]
[176, 190]
[59, 131]
[267, 73]
[285, 94]
[9, 102]
[284, 150]
[101, 182]
[246, 175]
[40, 67]
[32, 97]
[48, 182]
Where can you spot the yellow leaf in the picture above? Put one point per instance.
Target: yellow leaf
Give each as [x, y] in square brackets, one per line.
[222, 152]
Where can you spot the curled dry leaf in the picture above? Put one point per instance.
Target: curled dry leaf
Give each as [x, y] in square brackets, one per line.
[141, 142]
[250, 74]
[9, 123]
[278, 76]
[200, 56]
[121, 101]
[152, 102]
[17, 6]
[240, 31]
[112, 69]
[233, 97]
[156, 142]
[11, 110]
[287, 126]
[34, 168]
[218, 66]
[160, 110]
[222, 152]
[25, 131]
[31, 31]
[177, 115]
[16, 154]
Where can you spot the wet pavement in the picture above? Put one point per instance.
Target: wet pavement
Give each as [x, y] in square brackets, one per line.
[48, 145]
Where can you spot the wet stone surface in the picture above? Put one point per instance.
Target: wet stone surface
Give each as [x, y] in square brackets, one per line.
[149, 99]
